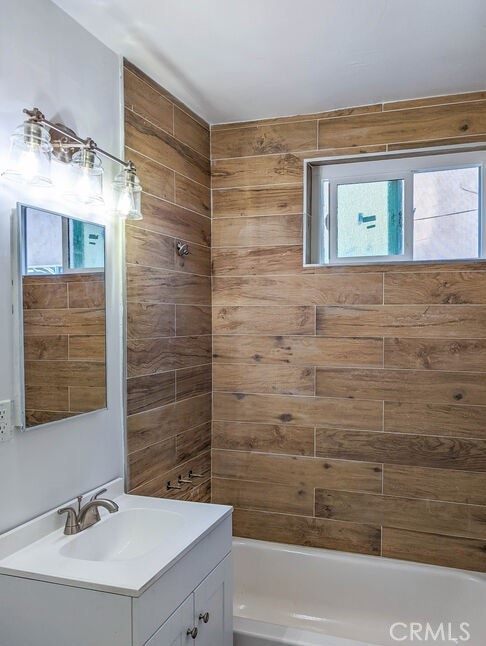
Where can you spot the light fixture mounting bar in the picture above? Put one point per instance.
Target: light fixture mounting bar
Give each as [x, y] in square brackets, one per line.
[36, 116]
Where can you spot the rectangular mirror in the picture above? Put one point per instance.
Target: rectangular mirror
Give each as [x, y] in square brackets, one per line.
[62, 293]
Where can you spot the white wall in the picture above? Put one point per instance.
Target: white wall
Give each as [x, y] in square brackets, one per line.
[47, 60]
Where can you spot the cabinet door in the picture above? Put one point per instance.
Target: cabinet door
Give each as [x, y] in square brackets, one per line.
[174, 631]
[213, 605]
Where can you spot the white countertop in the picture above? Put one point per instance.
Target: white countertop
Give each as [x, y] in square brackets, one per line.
[33, 550]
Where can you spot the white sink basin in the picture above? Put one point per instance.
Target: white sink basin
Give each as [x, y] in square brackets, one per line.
[123, 535]
[123, 553]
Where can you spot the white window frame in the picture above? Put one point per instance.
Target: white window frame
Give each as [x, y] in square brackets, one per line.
[320, 229]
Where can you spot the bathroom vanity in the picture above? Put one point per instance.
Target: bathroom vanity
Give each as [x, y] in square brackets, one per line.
[156, 573]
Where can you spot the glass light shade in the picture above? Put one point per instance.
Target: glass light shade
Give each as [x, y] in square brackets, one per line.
[30, 155]
[128, 195]
[87, 178]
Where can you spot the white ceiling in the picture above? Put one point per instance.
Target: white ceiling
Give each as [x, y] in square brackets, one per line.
[235, 60]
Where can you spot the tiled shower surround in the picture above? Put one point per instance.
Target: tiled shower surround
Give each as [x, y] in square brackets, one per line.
[349, 403]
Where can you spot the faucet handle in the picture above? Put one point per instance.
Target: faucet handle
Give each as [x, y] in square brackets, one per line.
[72, 525]
[98, 493]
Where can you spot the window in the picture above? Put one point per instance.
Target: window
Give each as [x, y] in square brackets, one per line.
[56, 244]
[396, 209]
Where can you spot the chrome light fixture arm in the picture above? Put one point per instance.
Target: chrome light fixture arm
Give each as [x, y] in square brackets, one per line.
[72, 140]
[32, 145]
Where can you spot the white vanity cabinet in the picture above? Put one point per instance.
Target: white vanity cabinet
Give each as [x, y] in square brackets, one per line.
[178, 595]
[205, 617]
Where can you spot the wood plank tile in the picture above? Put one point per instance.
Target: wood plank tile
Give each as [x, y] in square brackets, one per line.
[147, 463]
[311, 532]
[87, 347]
[417, 321]
[447, 141]
[257, 231]
[278, 379]
[435, 419]
[191, 132]
[149, 356]
[69, 321]
[156, 250]
[46, 397]
[127, 65]
[435, 484]
[447, 518]
[161, 423]
[271, 497]
[143, 98]
[297, 471]
[38, 417]
[191, 443]
[298, 290]
[83, 399]
[405, 267]
[264, 320]
[173, 220]
[51, 346]
[436, 354]
[201, 464]
[192, 195]
[447, 287]
[448, 551]
[156, 179]
[298, 411]
[65, 373]
[193, 381]
[146, 138]
[44, 295]
[285, 168]
[402, 385]
[144, 247]
[258, 261]
[151, 285]
[435, 100]
[192, 320]
[258, 200]
[87, 295]
[404, 125]
[150, 320]
[264, 438]
[299, 350]
[340, 112]
[412, 450]
[50, 279]
[150, 391]
[264, 139]
[201, 493]
[198, 261]
[157, 487]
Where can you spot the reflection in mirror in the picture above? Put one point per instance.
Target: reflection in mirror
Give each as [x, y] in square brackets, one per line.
[63, 296]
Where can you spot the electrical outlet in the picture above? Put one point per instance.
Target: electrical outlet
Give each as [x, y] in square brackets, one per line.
[6, 428]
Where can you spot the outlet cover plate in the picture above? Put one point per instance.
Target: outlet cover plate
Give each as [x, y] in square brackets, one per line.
[6, 428]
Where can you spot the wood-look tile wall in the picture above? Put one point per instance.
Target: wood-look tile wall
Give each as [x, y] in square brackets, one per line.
[349, 403]
[168, 297]
[64, 345]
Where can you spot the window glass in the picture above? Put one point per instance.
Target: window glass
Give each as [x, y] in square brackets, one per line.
[446, 214]
[370, 219]
[43, 242]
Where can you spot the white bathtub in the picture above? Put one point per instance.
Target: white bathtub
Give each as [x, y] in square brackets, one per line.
[303, 596]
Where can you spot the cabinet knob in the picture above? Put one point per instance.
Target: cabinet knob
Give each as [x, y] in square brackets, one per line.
[192, 632]
[204, 617]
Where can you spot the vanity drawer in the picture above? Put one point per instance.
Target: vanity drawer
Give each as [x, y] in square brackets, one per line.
[156, 604]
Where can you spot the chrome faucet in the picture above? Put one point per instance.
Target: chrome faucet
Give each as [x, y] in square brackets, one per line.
[86, 515]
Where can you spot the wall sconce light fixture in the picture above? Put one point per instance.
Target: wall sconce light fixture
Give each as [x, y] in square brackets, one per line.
[32, 145]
